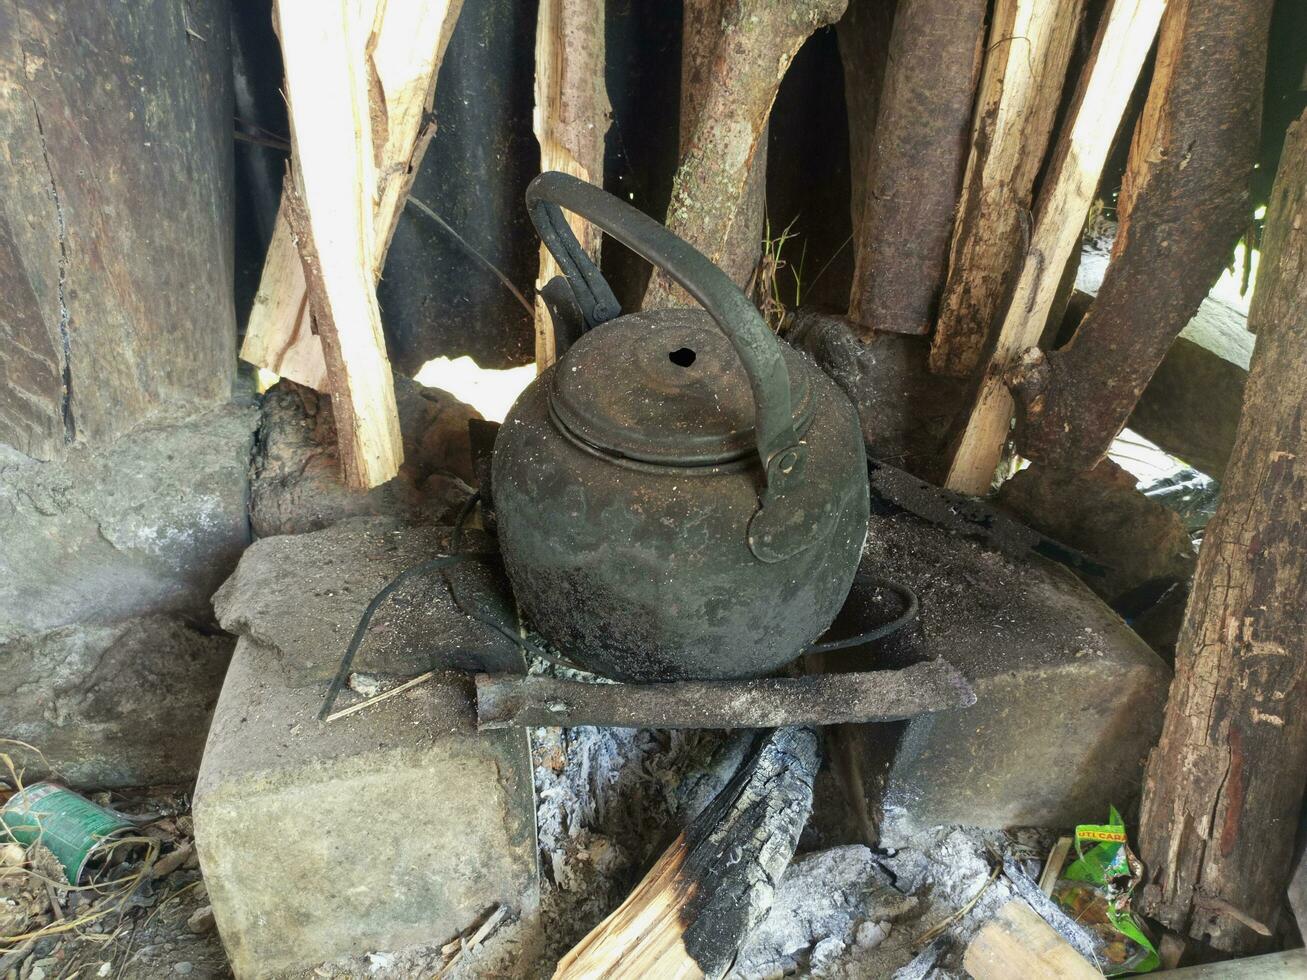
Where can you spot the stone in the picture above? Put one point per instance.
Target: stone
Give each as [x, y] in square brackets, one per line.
[296, 484]
[304, 594]
[1069, 699]
[150, 524]
[394, 826]
[119, 704]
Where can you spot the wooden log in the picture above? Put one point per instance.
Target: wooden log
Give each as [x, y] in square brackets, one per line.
[329, 204]
[1192, 403]
[1123, 41]
[571, 118]
[1224, 786]
[115, 218]
[1030, 45]
[918, 153]
[1184, 201]
[505, 700]
[402, 50]
[759, 40]
[1018, 943]
[691, 913]
[1291, 964]
[864, 35]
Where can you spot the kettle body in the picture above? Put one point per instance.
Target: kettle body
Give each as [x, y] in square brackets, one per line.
[678, 497]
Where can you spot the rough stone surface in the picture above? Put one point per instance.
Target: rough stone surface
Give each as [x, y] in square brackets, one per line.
[304, 594]
[295, 478]
[1069, 698]
[150, 524]
[122, 704]
[377, 831]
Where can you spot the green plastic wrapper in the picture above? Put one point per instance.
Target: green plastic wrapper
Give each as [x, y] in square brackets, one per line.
[1096, 889]
[71, 826]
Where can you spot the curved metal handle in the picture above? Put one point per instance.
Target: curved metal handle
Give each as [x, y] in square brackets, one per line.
[779, 448]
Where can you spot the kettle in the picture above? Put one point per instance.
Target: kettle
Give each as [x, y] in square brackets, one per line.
[682, 495]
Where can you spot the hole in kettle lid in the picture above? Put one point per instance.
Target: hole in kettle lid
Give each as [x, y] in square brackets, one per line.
[682, 357]
[623, 388]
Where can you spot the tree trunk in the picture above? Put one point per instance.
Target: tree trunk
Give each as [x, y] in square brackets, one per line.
[115, 217]
[1224, 786]
[918, 152]
[1030, 45]
[759, 40]
[1184, 200]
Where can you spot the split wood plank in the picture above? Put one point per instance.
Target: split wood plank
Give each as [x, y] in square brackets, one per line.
[1291, 964]
[693, 911]
[328, 201]
[403, 50]
[571, 117]
[1120, 48]
[1029, 49]
[1018, 943]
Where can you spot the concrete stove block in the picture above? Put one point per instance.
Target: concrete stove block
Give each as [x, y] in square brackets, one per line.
[394, 826]
[1069, 699]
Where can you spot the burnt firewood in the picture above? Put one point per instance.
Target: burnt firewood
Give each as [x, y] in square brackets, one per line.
[693, 911]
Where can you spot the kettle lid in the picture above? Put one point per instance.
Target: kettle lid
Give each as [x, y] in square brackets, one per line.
[665, 387]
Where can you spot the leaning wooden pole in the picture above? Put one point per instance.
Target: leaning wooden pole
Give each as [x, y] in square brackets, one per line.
[1224, 786]
[1183, 203]
[918, 155]
[570, 121]
[759, 39]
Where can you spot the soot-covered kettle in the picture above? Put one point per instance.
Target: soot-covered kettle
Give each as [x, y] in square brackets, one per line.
[682, 495]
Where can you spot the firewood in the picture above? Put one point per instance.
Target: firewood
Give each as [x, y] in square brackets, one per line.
[693, 911]
[918, 152]
[864, 36]
[759, 40]
[1184, 201]
[328, 200]
[1018, 943]
[825, 699]
[571, 118]
[1124, 38]
[1030, 45]
[1224, 786]
[403, 49]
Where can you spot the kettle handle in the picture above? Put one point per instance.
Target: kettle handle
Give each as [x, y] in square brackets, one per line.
[779, 448]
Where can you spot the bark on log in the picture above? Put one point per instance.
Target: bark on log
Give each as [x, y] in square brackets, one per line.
[691, 913]
[1030, 46]
[1124, 38]
[115, 217]
[571, 119]
[402, 52]
[918, 153]
[330, 194]
[1184, 201]
[864, 34]
[1225, 784]
[816, 699]
[759, 40]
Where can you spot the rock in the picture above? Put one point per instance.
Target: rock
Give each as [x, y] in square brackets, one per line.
[1069, 699]
[296, 482]
[201, 920]
[1142, 543]
[906, 411]
[380, 830]
[121, 704]
[304, 595]
[377, 831]
[184, 967]
[149, 524]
